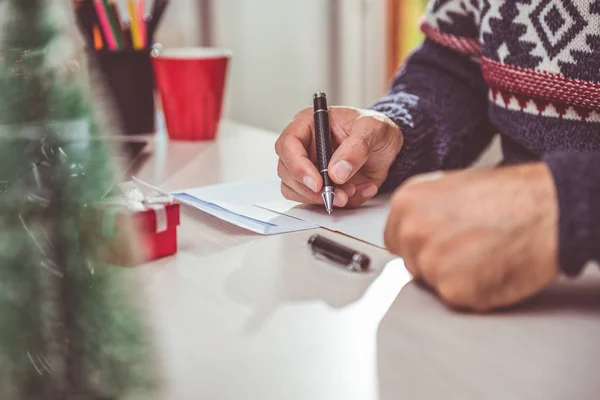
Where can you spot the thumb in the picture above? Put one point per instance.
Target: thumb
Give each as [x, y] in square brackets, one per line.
[349, 157]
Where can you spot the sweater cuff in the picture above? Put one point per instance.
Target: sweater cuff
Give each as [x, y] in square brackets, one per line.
[577, 179]
[405, 110]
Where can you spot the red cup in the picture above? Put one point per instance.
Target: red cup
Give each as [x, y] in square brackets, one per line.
[191, 83]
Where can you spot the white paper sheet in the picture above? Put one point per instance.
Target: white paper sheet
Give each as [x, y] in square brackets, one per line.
[366, 223]
[234, 203]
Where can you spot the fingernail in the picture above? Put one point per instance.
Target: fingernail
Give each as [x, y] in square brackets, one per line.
[370, 192]
[340, 200]
[342, 170]
[350, 189]
[310, 183]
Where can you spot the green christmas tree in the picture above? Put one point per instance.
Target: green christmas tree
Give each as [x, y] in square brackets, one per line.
[70, 329]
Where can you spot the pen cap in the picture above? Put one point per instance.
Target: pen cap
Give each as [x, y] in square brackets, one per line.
[338, 253]
[320, 101]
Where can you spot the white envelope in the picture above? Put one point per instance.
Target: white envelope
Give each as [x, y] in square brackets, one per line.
[234, 203]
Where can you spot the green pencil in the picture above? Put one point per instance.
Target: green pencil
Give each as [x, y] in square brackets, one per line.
[114, 25]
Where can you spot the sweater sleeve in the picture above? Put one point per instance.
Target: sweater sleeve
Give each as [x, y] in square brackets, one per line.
[577, 179]
[439, 99]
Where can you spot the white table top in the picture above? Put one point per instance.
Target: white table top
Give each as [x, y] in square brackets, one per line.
[242, 316]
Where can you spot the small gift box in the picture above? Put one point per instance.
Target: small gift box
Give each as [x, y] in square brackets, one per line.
[154, 220]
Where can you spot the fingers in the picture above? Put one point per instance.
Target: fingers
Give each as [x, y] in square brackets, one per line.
[295, 158]
[362, 193]
[368, 133]
[340, 198]
[292, 149]
[293, 195]
[446, 262]
[356, 136]
[296, 191]
[350, 189]
[350, 156]
[399, 236]
[307, 194]
[353, 151]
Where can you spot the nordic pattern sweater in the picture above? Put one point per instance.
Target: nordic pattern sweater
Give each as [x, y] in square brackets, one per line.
[526, 69]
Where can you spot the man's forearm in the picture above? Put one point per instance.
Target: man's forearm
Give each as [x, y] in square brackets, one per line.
[439, 100]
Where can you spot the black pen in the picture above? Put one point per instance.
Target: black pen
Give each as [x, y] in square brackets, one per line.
[332, 251]
[323, 140]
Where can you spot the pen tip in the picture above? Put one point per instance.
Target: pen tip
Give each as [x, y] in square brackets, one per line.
[329, 211]
[328, 200]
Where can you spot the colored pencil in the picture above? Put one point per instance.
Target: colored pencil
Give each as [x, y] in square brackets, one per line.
[141, 23]
[114, 24]
[115, 13]
[101, 25]
[135, 28]
[96, 21]
[111, 41]
[98, 45]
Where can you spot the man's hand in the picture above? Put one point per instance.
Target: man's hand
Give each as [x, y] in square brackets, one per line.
[365, 144]
[480, 239]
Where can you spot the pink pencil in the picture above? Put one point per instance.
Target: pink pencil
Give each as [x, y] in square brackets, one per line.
[141, 22]
[103, 18]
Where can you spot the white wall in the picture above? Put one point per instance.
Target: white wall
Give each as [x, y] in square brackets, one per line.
[180, 26]
[363, 45]
[280, 56]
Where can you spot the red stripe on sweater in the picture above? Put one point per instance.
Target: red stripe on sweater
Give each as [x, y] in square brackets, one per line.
[540, 84]
[460, 44]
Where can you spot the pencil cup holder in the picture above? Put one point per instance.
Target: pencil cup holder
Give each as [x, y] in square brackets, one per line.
[130, 76]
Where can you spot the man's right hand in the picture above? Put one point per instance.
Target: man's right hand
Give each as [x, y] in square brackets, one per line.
[365, 144]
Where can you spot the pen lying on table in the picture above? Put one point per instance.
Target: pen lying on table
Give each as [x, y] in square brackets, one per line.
[340, 254]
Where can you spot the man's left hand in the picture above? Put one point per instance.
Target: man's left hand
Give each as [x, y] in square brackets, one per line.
[480, 239]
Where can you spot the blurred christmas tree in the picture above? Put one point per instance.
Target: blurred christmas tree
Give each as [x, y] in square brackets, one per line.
[69, 329]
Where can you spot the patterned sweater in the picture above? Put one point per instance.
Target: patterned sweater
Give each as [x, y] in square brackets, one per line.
[526, 69]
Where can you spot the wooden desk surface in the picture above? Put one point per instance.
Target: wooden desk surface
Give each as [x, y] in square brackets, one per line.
[243, 316]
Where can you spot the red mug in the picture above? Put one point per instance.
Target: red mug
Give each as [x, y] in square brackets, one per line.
[191, 83]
